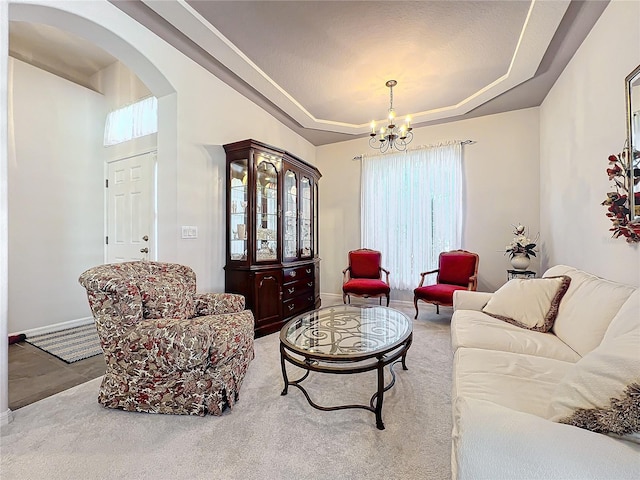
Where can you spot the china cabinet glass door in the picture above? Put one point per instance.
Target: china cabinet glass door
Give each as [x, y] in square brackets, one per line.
[290, 215]
[316, 216]
[238, 215]
[305, 217]
[266, 211]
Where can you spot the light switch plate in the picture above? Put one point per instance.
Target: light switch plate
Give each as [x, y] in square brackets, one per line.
[189, 231]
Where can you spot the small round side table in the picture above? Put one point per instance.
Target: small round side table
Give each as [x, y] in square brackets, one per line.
[511, 274]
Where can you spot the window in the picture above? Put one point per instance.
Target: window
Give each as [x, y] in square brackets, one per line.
[411, 209]
[133, 121]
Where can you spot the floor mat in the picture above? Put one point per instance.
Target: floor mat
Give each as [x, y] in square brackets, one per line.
[69, 345]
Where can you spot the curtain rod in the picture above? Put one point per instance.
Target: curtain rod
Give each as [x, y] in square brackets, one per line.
[462, 142]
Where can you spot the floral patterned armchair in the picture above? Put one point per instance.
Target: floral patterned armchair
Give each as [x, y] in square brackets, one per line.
[167, 348]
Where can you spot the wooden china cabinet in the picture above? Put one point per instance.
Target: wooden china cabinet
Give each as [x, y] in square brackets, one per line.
[272, 233]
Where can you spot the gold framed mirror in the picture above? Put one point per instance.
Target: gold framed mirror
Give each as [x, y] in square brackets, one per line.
[623, 202]
[632, 89]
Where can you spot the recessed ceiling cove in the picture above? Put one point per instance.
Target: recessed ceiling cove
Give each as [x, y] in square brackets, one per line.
[325, 63]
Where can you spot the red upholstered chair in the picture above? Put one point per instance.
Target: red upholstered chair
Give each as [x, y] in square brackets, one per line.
[363, 276]
[457, 270]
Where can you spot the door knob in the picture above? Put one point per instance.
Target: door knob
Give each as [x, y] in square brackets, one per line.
[144, 250]
[145, 238]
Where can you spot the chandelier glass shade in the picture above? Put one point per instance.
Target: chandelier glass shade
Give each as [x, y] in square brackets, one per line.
[392, 136]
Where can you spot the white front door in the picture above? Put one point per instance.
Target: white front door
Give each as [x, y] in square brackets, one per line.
[130, 211]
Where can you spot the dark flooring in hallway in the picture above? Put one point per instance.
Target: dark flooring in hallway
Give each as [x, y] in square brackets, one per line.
[34, 374]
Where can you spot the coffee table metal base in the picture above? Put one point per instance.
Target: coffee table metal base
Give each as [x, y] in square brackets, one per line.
[375, 404]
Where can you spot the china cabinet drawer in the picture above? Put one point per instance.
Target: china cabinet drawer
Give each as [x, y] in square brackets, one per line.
[298, 304]
[298, 273]
[294, 289]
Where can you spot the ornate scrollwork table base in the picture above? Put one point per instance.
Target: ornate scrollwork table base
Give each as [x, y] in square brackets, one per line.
[346, 339]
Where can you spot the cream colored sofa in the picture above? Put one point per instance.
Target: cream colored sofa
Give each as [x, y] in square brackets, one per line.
[509, 381]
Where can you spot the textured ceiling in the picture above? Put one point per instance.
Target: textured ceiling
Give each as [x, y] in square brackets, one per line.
[335, 57]
[320, 67]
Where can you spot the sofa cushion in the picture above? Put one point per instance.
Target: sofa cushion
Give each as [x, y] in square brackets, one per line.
[627, 319]
[601, 392]
[587, 308]
[365, 286]
[440, 293]
[517, 381]
[529, 303]
[470, 328]
[492, 442]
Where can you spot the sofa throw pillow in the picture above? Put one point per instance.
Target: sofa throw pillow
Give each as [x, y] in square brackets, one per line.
[530, 303]
[601, 392]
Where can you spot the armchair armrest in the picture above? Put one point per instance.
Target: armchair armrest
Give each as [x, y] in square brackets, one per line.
[423, 274]
[473, 282]
[346, 275]
[218, 303]
[387, 274]
[470, 300]
[491, 441]
[165, 345]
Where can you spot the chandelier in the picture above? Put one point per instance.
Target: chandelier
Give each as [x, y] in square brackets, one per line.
[393, 136]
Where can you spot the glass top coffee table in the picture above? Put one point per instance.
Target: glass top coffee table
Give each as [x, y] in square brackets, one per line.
[345, 339]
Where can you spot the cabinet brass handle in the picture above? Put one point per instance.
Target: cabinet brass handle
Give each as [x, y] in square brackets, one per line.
[291, 290]
[291, 307]
[310, 284]
[293, 274]
[308, 270]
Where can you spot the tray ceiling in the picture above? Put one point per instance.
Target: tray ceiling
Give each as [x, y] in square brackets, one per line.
[321, 66]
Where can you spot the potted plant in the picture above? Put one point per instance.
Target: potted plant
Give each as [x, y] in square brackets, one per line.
[521, 248]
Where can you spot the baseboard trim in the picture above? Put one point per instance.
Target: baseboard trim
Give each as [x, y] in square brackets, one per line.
[337, 298]
[6, 417]
[56, 327]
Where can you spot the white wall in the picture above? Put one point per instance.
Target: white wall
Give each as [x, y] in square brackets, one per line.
[501, 188]
[204, 113]
[209, 115]
[5, 413]
[583, 122]
[198, 114]
[55, 196]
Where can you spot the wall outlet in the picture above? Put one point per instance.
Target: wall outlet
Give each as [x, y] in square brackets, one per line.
[189, 232]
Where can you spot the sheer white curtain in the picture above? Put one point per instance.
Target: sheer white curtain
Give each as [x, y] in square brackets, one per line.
[133, 121]
[411, 209]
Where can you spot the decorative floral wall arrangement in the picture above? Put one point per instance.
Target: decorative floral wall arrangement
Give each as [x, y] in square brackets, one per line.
[617, 202]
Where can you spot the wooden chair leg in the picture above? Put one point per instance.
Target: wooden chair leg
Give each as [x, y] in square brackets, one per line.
[415, 304]
[438, 309]
[387, 300]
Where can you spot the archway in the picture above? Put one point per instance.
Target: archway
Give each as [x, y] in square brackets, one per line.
[76, 18]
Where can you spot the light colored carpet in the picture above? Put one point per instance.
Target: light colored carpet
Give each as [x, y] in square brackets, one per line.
[266, 436]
